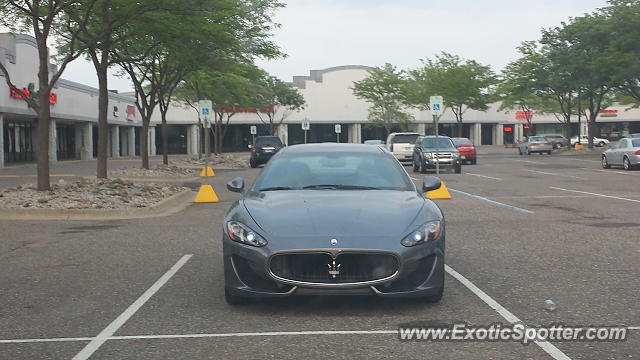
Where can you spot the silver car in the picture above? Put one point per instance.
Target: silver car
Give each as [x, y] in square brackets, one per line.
[625, 152]
[535, 144]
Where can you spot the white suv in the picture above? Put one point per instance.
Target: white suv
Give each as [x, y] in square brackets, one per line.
[401, 145]
[584, 140]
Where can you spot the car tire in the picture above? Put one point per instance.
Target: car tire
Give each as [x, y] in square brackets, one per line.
[602, 144]
[528, 152]
[253, 164]
[422, 168]
[548, 152]
[458, 169]
[605, 163]
[626, 164]
[520, 151]
[234, 300]
[474, 161]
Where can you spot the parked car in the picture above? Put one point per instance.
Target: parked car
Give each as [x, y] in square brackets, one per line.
[584, 140]
[557, 140]
[535, 144]
[401, 145]
[334, 219]
[625, 152]
[374, 142]
[263, 149]
[425, 155]
[466, 149]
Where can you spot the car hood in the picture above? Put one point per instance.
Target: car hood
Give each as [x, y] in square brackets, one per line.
[334, 212]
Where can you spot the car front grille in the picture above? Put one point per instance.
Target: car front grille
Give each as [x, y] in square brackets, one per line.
[323, 268]
[443, 155]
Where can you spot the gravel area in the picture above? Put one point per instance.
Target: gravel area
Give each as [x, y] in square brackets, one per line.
[88, 194]
[157, 171]
[228, 160]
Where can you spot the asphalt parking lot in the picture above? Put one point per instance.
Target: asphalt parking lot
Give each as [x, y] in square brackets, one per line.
[520, 229]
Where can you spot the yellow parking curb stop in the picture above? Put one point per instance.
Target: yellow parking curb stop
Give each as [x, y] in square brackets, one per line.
[440, 194]
[207, 171]
[206, 194]
[579, 147]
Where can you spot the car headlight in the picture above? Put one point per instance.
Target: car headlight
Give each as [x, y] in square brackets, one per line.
[427, 155]
[425, 233]
[242, 234]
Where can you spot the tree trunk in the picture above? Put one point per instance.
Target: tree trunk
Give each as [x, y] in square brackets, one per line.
[460, 128]
[144, 143]
[44, 120]
[165, 137]
[103, 125]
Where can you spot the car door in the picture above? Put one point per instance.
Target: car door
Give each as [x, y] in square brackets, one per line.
[618, 152]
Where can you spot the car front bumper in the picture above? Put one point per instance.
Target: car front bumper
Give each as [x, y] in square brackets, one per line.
[420, 271]
[540, 148]
[431, 163]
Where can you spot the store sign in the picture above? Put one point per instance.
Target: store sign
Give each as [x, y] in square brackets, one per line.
[608, 113]
[524, 115]
[20, 93]
[131, 112]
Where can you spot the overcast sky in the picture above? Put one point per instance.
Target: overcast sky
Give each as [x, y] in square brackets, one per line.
[318, 34]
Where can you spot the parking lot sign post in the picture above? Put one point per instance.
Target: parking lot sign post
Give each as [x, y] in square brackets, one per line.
[338, 131]
[205, 111]
[254, 131]
[436, 105]
[306, 125]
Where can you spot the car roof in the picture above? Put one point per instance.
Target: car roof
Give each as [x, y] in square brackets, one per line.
[405, 133]
[433, 137]
[332, 147]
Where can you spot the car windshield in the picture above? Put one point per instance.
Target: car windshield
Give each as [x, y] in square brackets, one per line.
[268, 141]
[537, 138]
[404, 139]
[461, 141]
[444, 143]
[344, 171]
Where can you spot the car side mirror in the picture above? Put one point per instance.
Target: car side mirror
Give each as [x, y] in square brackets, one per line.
[236, 185]
[430, 183]
[250, 146]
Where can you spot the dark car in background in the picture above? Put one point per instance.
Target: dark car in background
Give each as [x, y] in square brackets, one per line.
[426, 154]
[557, 140]
[263, 149]
[333, 219]
[466, 149]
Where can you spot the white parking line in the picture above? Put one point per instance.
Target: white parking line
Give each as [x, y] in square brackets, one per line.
[554, 174]
[595, 194]
[27, 341]
[613, 171]
[549, 348]
[483, 176]
[111, 329]
[532, 162]
[524, 211]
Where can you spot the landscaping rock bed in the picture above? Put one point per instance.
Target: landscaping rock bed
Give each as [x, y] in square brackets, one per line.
[88, 194]
[229, 161]
[157, 171]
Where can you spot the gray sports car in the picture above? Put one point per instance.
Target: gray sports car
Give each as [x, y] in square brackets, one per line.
[333, 219]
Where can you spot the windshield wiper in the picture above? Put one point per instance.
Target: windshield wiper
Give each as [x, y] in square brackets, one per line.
[340, 187]
[275, 188]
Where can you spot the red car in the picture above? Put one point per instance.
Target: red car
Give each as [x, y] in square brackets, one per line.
[466, 149]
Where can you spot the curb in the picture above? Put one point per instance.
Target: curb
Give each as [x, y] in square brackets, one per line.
[171, 205]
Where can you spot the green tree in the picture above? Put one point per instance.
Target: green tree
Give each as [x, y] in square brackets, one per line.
[275, 97]
[45, 20]
[464, 84]
[385, 89]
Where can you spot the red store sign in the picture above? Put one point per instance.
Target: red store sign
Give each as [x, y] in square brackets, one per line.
[20, 93]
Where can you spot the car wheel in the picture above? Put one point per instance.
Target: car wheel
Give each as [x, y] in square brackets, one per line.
[458, 169]
[422, 168]
[548, 152]
[474, 161]
[626, 164]
[605, 163]
[601, 144]
[528, 152]
[234, 299]
[520, 151]
[252, 163]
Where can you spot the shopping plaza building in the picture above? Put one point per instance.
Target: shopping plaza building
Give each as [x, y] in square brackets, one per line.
[328, 94]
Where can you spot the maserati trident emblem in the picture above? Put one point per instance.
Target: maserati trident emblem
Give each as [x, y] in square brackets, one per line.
[334, 242]
[334, 269]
